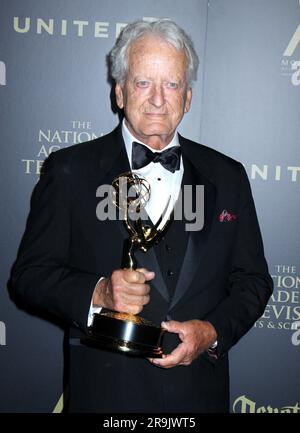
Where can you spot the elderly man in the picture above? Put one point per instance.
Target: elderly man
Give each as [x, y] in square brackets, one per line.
[207, 286]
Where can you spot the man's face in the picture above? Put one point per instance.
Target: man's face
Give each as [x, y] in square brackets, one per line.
[155, 94]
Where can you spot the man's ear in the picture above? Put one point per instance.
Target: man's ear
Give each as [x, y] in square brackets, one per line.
[188, 100]
[119, 96]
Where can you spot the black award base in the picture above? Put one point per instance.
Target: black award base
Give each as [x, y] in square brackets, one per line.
[127, 333]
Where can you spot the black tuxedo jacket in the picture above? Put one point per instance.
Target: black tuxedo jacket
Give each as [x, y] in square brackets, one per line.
[223, 278]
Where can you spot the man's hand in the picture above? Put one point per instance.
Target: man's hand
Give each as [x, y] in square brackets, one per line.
[125, 291]
[196, 336]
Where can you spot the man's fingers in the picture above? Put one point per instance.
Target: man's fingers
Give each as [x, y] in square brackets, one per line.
[174, 358]
[149, 275]
[138, 300]
[138, 276]
[131, 276]
[173, 326]
[128, 290]
[137, 290]
[132, 309]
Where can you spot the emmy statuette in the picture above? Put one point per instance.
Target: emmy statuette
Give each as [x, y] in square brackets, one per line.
[124, 332]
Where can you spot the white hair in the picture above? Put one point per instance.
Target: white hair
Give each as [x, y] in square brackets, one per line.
[166, 30]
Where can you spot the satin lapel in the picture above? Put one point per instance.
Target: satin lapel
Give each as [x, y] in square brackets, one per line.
[113, 157]
[149, 261]
[197, 239]
[113, 162]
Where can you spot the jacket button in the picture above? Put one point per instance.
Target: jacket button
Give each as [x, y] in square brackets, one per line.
[168, 248]
[170, 273]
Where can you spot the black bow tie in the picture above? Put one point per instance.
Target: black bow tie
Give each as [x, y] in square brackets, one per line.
[169, 158]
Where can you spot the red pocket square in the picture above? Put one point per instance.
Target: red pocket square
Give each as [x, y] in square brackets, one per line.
[225, 216]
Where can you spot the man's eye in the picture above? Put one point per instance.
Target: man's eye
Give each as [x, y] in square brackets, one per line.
[143, 83]
[172, 85]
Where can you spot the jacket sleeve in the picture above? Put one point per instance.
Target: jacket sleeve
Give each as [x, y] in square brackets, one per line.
[41, 276]
[249, 282]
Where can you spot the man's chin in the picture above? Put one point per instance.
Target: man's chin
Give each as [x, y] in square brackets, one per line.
[144, 132]
[156, 130]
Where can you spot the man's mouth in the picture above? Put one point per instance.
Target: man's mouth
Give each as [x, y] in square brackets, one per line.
[155, 114]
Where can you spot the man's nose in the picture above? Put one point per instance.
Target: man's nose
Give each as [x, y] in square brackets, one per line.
[157, 97]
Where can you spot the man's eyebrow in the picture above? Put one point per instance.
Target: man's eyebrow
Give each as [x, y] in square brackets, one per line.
[142, 77]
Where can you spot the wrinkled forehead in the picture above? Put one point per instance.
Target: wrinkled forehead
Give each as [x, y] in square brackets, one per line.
[149, 50]
[153, 44]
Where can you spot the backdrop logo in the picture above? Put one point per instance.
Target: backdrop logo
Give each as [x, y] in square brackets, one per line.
[50, 140]
[265, 172]
[292, 45]
[283, 309]
[2, 334]
[63, 27]
[290, 66]
[244, 404]
[2, 74]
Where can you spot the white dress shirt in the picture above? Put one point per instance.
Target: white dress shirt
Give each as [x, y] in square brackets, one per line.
[164, 184]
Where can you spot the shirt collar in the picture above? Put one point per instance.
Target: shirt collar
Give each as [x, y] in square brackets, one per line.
[129, 138]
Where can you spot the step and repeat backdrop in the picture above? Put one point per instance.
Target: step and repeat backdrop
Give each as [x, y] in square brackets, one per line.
[54, 92]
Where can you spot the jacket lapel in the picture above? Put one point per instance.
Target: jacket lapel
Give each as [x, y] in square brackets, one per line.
[113, 157]
[197, 239]
[149, 261]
